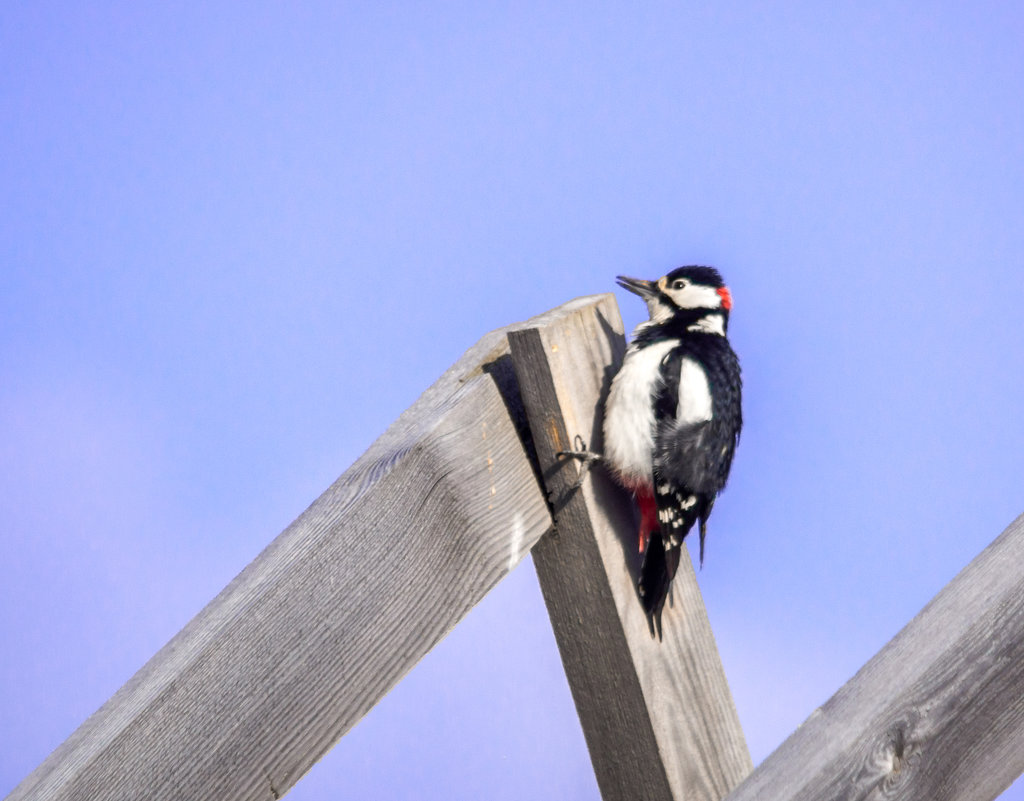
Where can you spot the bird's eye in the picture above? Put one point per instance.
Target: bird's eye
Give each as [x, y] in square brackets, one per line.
[679, 284]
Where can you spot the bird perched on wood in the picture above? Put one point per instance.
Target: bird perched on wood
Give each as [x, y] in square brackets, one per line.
[672, 420]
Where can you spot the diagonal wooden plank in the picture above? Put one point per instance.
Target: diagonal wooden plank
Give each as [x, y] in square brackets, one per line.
[658, 716]
[302, 643]
[936, 715]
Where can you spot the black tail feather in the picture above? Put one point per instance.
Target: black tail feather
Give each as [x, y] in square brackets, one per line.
[656, 574]
[704, 513]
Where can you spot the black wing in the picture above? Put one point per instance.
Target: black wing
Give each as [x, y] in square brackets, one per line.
[691, 465]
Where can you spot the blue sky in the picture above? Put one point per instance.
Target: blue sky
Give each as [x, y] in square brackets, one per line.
[236, 241]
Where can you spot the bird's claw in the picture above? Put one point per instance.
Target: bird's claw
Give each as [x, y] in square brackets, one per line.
[586, 457]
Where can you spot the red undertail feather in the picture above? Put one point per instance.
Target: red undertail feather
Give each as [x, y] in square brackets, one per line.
[648, 516]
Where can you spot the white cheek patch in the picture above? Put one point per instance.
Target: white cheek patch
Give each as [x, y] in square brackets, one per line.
[695, 296]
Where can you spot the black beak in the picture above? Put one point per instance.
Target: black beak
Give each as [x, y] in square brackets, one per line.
[638, 286]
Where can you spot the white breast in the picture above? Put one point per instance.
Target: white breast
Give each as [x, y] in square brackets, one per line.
[629, 414]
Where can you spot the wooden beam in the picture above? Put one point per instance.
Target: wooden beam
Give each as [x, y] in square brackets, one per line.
[301, 644]
[658, 717]
[936, 715]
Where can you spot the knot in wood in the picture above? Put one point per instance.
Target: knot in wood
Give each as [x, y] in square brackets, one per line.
[897, 753]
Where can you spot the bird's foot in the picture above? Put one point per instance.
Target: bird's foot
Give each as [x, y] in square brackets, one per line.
[586, 458]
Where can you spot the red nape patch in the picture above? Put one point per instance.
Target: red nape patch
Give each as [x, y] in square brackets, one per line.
[726, 297]
[648, 517]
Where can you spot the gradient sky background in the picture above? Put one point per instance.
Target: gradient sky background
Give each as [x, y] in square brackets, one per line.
[236, 241]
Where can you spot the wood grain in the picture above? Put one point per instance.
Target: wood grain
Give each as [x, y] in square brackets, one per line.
[302, 643]
[658, 717]
[936, 715]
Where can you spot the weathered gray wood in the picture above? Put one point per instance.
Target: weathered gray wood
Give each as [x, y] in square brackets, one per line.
[658, 717]
[936, 715]
[330, 616]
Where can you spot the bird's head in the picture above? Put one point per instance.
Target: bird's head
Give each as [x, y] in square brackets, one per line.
[693, 289]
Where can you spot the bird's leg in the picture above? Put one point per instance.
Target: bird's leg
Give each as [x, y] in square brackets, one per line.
[586, 457]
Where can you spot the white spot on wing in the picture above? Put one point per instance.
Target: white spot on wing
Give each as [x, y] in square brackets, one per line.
[694, 393]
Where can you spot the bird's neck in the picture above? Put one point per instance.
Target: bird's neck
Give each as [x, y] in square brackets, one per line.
[684, 322]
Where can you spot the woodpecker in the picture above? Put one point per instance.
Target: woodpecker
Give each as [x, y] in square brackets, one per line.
[673, 418]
